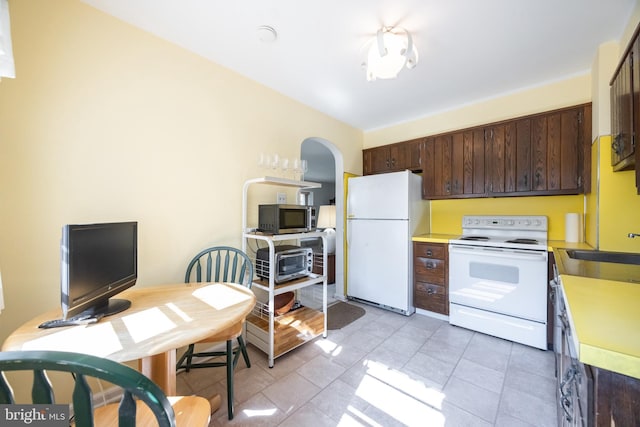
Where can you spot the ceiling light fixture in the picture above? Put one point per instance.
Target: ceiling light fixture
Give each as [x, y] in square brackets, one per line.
[267, 34]
[389, 51]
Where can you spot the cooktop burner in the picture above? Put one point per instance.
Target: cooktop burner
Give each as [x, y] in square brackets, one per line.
[523, 241]
[475, 238]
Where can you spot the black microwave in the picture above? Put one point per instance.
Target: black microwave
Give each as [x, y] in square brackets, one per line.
[283, 219]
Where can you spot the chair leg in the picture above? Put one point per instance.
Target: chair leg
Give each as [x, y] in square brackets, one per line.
[230, 379]
[243, 348]
[187, 355]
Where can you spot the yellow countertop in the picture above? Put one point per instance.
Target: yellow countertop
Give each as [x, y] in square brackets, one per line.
[569, 245]
[605, 321]
[434, 238]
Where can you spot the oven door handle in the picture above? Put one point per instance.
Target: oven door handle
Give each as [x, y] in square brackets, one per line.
[499, 252]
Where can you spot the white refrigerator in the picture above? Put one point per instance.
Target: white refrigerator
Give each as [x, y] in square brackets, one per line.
[384, 211]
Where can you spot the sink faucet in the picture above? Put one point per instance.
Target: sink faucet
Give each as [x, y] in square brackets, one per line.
[632, 235]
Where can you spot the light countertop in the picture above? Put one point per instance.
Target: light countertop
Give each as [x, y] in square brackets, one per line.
[434, 238]
[605, 321]
[568, 245]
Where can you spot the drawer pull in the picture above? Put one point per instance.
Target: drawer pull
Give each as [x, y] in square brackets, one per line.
[429, 253]
[430, 291]
[431, 265]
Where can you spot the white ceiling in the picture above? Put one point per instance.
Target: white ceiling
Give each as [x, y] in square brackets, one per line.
[469, 49]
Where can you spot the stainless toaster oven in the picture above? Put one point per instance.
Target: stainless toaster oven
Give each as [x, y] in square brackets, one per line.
[290, 262]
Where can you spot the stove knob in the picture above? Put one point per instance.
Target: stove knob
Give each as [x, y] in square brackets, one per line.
[510, 222]
[477, 221]
[527, 222]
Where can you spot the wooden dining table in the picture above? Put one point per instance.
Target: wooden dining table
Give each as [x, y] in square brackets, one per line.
[160, 320]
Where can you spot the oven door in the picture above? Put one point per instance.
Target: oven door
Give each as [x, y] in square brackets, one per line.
[506, 281]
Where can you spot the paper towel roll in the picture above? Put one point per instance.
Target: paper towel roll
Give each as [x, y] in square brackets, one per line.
[572, 227]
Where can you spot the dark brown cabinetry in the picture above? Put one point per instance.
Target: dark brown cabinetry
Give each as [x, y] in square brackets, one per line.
[430, 277]
[622, 131]
[625, 110]
[393, 157]
[616, 399]
[456, 165]
[543, 154]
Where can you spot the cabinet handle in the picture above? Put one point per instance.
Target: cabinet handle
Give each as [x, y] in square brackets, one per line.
[387, 163]
[618, 144]
[429, 253]
[447, 187]
[393, 162]
[525, 180]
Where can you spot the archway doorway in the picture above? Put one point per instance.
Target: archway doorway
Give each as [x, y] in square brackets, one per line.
[326, 165]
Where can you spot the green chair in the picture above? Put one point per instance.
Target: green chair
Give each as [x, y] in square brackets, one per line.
[220, 264]
[142, 401]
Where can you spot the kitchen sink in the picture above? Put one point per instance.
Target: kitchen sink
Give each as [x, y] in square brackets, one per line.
[604, 256]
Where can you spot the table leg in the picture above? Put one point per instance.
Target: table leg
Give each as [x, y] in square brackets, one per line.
[161, 369]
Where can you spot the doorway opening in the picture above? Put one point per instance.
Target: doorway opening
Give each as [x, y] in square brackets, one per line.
[326, 166]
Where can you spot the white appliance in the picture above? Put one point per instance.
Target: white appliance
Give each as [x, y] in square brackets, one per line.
[498, 277]
[383, 212]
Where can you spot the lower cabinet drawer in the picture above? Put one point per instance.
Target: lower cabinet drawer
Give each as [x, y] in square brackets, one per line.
[429, 270]
[431, 297]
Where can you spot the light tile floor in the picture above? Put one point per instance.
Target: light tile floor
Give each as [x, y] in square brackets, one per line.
[386, 369]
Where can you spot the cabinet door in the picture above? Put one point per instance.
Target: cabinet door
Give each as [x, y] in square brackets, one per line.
[414, 154]
[398, 157]
[376, 160]
[622, 149]
[454, 165]
[503, 167]
[635, 86]
[436, 174]
[564, 151]
[367, 165]
[442, 165]
[457, 163]
[428, 172]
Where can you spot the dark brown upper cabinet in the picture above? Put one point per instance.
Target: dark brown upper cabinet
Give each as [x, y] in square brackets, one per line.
[544, 154]
[393, 157]
[454, 165]
[625, 110]
[622, 130]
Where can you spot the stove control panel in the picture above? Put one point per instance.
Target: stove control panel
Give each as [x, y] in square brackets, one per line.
[511, 222]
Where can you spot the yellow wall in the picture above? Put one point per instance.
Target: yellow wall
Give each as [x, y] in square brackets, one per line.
[591, 205]
[619, 205]
[105, 122]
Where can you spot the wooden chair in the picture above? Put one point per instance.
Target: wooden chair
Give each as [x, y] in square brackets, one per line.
[220, 264]
[143, 402]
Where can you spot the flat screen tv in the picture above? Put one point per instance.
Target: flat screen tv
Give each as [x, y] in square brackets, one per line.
[98, 261]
